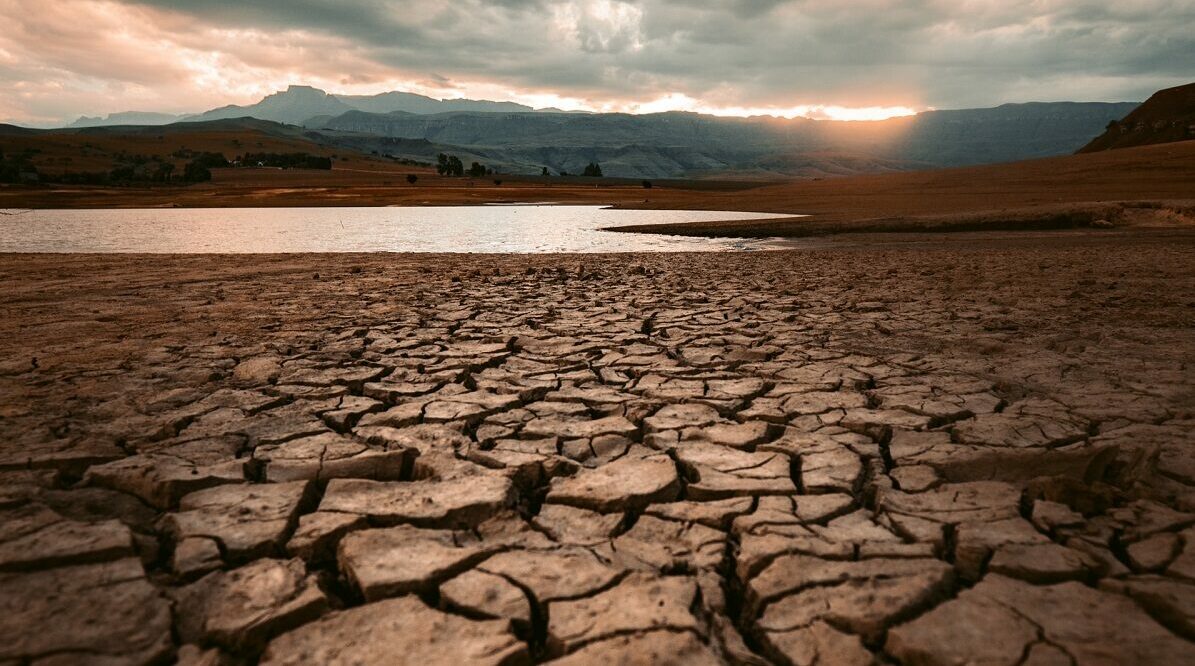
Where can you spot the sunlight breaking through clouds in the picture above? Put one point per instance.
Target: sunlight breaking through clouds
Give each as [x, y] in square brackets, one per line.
[817, 58]
[682, 102]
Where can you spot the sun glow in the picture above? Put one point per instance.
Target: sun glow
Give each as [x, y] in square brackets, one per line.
[669, 102]
[682, 102]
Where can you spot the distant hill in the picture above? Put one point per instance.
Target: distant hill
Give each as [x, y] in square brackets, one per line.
[298, 104]
[99, 149]
[685, 144]
[127, 118]
[1167, 116]
[412, 103]
[16, 130]
[1007, 133]
[291, 106]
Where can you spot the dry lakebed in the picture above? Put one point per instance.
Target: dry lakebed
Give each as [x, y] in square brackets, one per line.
[919, 450]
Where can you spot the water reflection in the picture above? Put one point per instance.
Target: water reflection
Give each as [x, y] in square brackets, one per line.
[521, 228]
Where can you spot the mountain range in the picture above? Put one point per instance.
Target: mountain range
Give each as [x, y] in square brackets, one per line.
[296, 104]
[517, 139]
[127, 118]
[687, 144]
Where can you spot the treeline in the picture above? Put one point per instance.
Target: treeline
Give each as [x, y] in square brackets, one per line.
[591, 170]
[127, 169]
[17, 168]
[131, 169]
[451, 165]
[285, 160]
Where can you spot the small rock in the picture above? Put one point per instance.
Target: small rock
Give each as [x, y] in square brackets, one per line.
[1049, 516]
[486, 594]
[243, 608]
[318, 533]
[1154, 553]
[258, 371]
[579, 527]
[1040, 564]
[249, 520]
[195, 556]
[396, 560]
[631, 482]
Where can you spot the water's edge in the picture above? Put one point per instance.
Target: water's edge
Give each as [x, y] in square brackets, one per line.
[427, 229]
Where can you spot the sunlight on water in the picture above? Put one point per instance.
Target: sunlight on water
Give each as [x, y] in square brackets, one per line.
[520, 228]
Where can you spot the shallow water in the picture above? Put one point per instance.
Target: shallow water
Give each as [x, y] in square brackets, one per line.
[519, 228]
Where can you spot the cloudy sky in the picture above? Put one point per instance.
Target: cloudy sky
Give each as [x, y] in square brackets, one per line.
[838, 58]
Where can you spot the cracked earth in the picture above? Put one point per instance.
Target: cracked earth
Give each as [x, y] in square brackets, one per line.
[934, 452]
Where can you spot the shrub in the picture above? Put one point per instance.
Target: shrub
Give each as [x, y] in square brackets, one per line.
[196, 172]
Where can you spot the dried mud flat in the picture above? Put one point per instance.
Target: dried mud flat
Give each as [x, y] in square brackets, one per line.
[936, 452]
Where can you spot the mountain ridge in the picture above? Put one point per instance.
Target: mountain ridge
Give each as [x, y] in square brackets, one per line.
[127, 118]
[298, 103]
[677, 143]
[1167, 116]
[517, 139]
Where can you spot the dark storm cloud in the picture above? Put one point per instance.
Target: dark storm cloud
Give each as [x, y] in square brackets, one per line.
[736, 53]
[770, 51]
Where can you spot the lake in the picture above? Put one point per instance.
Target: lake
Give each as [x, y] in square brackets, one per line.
[514, 228]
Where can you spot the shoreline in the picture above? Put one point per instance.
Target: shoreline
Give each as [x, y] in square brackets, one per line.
[1121, 186]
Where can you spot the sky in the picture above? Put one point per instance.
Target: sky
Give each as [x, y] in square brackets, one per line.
[855, 59]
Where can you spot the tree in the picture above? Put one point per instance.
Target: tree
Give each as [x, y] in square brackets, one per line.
[163, 172]
[545, 172]
[124, 173]
[476, 170]
[449, 165]
[411, 178]
[592, 170]
[212, 160]
[194, 172]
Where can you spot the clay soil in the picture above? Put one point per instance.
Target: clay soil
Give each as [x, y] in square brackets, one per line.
[935, 449]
